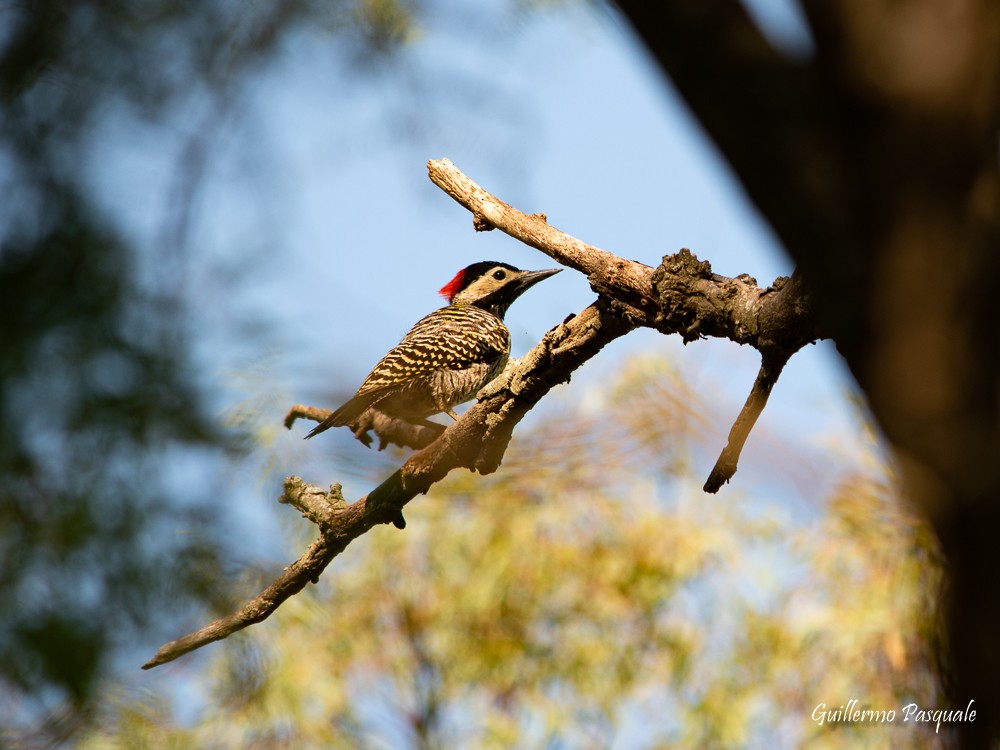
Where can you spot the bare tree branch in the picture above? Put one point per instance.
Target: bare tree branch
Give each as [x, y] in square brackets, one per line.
[630, 279]
[301, 411]
[319, 508]
[681, 296]
[390, 430]
[477, 441]
[725, 467]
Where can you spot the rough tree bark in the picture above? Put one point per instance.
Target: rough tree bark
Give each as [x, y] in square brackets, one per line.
[874, 157]
[681, 296]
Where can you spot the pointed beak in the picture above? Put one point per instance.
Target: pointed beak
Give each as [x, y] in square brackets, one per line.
[530, 278]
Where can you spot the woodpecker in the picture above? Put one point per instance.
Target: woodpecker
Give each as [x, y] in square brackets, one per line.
[446, 358]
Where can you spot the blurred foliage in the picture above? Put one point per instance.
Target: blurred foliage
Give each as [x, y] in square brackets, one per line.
[570, 600]
[107, 457]
[94, 393]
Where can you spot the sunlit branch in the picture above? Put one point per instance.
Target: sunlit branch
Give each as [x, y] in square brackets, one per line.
[725, 467]
[627, 281]
[477, 441]
[294, 578]
[301, 411]
[681, 296]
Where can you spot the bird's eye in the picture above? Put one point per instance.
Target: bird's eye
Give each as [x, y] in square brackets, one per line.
[499, 275]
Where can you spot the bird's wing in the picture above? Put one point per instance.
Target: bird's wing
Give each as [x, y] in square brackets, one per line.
[439, 341]
[446, 339]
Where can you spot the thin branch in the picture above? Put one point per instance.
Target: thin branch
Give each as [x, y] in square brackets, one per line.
[477, 441]
[388, 429]
[725, 467]
[784, 325]
[294, 578]
[627, 281]
[301, 411]
[681, 296]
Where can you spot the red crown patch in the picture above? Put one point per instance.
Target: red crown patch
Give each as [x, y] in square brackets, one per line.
[454, 286]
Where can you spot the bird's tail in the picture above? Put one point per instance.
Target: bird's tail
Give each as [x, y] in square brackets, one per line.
[348, 412]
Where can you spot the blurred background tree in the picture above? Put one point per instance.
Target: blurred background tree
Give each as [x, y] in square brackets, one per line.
[872, 151]
[107, 521]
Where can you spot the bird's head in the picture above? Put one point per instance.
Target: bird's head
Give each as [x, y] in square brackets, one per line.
[492, 285]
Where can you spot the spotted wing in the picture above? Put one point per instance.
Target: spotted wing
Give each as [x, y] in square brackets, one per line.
[453, 338]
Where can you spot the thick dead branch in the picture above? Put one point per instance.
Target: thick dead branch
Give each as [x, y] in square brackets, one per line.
[680, 296]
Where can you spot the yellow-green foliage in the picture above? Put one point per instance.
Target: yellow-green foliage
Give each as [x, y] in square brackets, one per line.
[587, 595]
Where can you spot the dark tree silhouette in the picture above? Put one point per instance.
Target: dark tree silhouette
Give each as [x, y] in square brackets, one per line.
[874, 157]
